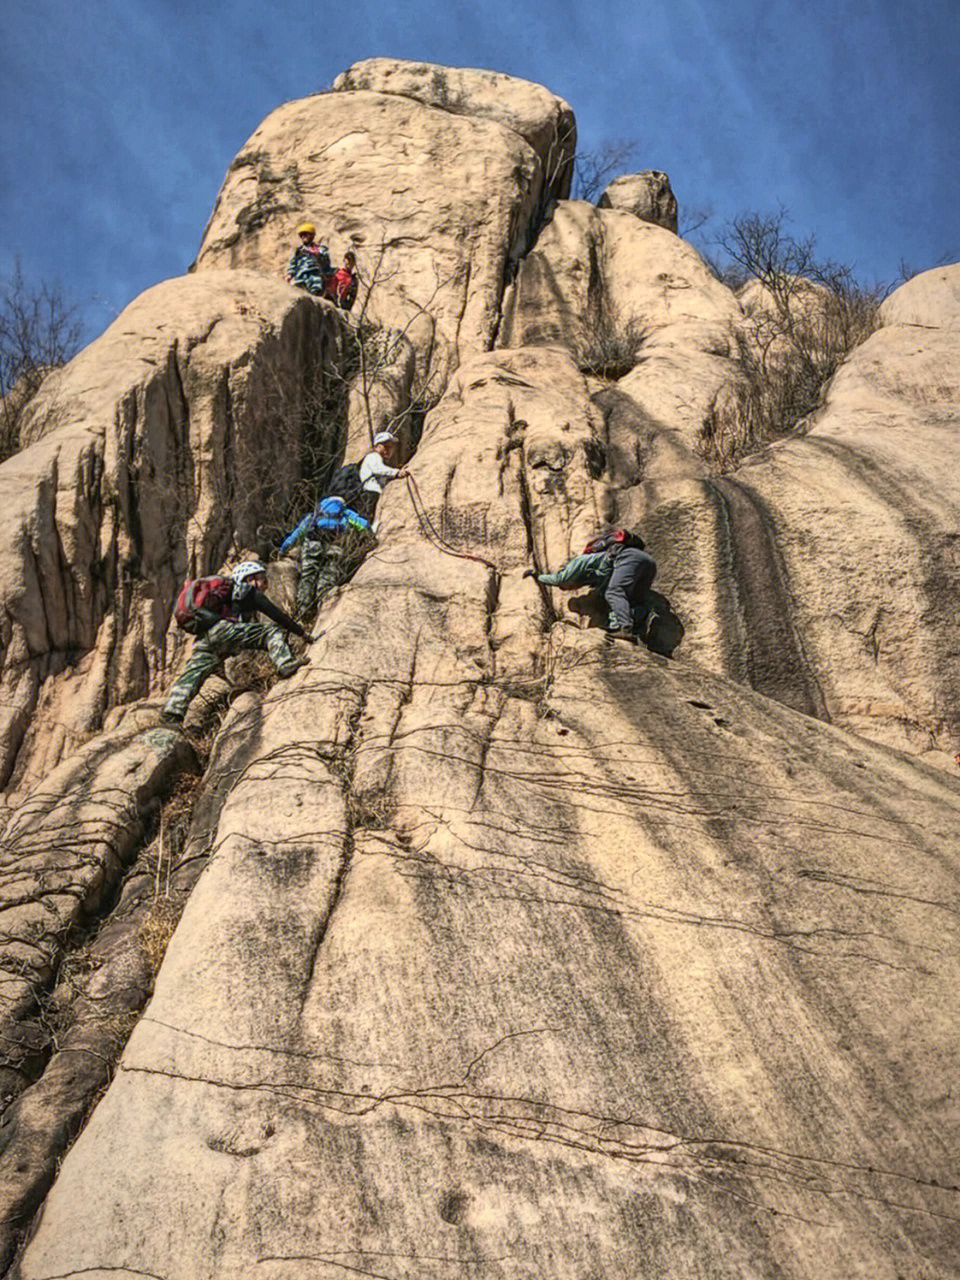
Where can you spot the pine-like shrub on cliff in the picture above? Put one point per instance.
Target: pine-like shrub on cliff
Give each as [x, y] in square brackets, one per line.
[38, 331]
[802, 317]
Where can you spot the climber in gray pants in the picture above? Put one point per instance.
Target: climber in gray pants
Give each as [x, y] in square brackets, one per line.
[626, 592]
[622, 573]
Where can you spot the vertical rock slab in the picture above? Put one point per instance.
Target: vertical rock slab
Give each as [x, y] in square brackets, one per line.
[158, 447]
[863, 510]
[628, 298]
[490, 949]
[61, 856]
[437, 200]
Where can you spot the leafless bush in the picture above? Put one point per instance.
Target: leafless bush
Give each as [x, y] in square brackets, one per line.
[802, 317]
[38, 331]
[593, 169]
[610, 350]
[693, 220]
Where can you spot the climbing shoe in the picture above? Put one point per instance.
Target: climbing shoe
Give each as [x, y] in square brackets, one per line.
[291, 668]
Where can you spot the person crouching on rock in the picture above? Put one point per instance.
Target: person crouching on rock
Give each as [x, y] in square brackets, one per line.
[342, 285]
[622, 573]
[333, 542]
[309, 266]
[219, 612]
[377, 470]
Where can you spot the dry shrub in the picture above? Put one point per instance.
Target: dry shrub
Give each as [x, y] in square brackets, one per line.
[372, 810]
[251, 670]
[610, 350]
[155, 930]
[802, 317]
[39, 330]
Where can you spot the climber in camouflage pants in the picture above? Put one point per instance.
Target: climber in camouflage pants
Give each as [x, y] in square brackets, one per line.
[333, 541]
[224, 637]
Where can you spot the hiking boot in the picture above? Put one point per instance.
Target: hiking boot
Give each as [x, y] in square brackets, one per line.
[621, 633]
[291, 668]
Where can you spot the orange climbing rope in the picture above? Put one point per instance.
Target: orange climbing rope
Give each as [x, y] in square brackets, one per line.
[429, 529]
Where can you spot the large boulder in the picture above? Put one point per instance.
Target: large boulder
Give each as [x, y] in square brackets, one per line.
[507, 931]
[438, 203]
[863, 510]
[647, 195]
[929, 300]
[156, 450]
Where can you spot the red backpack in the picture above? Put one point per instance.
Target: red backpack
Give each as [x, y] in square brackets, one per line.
[214, 595]
[613, 540]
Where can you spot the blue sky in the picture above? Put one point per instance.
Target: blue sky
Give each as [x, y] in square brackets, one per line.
[120, 117]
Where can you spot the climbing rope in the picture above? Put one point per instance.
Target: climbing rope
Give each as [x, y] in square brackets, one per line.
[429, 529]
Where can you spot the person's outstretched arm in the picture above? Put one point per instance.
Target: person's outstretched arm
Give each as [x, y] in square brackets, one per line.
[262, 604]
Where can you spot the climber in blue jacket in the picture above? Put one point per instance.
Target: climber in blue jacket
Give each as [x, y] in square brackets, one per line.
[333, 541]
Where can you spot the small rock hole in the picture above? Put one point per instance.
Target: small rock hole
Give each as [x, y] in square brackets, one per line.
[452, 1206]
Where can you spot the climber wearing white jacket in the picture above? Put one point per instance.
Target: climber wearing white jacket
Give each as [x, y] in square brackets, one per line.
[376, 470]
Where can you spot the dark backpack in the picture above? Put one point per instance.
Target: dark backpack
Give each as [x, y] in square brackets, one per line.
[202, 602]
[612, 541]
[346, 485]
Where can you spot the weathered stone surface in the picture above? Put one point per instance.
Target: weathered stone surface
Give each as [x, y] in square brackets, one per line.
[647, 195]
[804, 573]
[539, 116]
[930, 300]
[163, 443]
[506, 931]
[436, 206]
[62, 853]
[833, 586]
[633, 303]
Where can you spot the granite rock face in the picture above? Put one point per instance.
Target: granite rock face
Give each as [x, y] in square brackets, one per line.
[533, 932]
[156, 450]
[542, 119]
[506, 948]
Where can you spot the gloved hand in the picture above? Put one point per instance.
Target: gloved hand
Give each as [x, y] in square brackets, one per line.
[529, 573]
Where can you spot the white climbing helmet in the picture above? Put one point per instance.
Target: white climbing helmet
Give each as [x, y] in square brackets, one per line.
[385, 437]
[244, 570]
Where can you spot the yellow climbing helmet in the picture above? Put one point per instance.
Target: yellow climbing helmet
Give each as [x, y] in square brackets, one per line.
[306, 227]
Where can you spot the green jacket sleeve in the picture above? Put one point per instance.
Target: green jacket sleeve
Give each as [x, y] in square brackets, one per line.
[579, 571]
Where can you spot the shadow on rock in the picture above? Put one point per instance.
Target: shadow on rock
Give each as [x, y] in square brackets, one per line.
[656, 622]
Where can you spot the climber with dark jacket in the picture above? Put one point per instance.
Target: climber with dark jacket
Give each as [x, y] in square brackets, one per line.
[309, 266]
[333, 541]
[619, 568]
[219, 612]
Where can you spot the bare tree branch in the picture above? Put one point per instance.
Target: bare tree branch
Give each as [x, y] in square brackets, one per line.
[38, 331]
